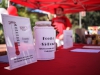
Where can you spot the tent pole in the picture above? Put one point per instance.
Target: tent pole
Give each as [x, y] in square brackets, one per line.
[8, 3]
[80, 23]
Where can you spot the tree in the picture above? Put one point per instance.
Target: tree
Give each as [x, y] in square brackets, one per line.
[3, 4]
[91, 19]
[2, 39]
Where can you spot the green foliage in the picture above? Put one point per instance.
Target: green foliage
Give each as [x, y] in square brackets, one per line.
[33, 18]
[2, 38]
[91, 19]
[3, 4]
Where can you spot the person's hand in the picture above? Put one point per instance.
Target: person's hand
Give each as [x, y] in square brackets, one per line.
[61, 37]
[68, 28]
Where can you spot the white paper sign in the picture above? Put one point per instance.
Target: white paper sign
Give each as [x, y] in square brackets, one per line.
[19, 41]
[86, 50]
[98, 32]
[89, 40]
[68, 39]
[45, 42]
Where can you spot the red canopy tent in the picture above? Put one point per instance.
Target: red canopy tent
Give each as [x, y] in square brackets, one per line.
[70, 6]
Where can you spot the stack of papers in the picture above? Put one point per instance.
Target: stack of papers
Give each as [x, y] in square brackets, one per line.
[86, 50]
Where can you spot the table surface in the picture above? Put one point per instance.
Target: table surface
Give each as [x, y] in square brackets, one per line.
[65, 63]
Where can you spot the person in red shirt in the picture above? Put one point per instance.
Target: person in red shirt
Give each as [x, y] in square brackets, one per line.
[60, 23]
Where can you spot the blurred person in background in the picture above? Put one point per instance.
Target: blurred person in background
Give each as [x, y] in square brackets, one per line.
[60, 23]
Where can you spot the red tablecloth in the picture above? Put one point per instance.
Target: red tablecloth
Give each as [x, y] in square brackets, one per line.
[65, 63]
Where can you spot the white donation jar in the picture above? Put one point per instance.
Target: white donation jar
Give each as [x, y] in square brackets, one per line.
[44, 35]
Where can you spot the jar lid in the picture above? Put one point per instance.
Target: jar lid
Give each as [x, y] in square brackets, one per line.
[43, 23]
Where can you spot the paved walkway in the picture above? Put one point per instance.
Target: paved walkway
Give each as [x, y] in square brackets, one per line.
[3, 49]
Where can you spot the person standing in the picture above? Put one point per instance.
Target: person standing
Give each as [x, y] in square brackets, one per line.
[60, 23]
